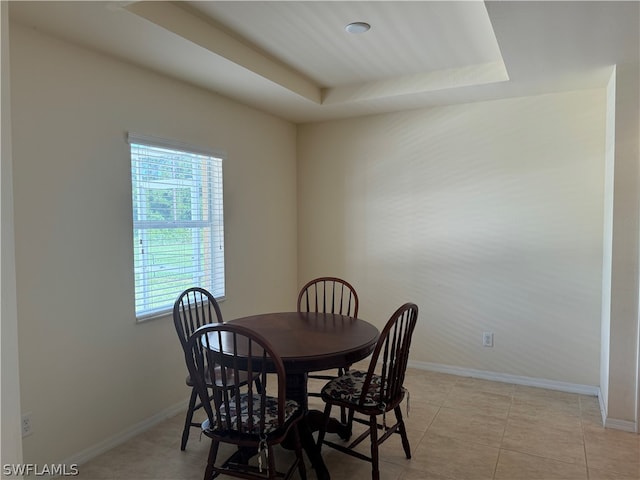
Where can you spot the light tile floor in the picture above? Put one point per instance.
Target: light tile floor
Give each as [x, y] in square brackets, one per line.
[459, 429]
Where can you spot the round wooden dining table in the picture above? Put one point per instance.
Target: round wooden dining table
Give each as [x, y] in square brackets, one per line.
[308, 342]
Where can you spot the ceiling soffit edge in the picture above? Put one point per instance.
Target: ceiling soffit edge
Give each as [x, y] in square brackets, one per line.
[200, 32]
[473, 75]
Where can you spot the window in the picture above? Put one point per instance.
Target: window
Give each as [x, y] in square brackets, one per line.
[178, 228]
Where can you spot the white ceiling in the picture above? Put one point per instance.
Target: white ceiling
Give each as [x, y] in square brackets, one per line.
[295, 60]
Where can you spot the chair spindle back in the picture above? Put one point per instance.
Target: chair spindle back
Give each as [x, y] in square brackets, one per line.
[229, 351]
[392, 351]
[194, 308]
[328, 295]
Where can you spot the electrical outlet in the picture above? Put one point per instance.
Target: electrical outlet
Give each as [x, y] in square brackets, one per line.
[27, 424]
[487, 339]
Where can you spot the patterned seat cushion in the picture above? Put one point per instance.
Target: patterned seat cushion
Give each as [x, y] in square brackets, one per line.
[271, 414]
[348, 388]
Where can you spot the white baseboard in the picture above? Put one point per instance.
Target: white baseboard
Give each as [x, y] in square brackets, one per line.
[624, 425]
[603, 407]
[614, 423]
[508, 378]
[111, 442]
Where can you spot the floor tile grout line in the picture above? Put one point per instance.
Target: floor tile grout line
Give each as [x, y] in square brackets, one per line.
[584, 440]
[504, 431]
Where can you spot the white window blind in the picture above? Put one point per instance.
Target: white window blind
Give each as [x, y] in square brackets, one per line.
[178, 223]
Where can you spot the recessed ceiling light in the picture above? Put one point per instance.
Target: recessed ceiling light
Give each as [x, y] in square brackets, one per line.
[357, 27]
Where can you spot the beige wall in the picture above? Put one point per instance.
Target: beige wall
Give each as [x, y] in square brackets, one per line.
[489, 216]
[11, 434]
[88, 371]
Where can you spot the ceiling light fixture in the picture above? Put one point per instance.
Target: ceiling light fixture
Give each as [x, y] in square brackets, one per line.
[357, 27]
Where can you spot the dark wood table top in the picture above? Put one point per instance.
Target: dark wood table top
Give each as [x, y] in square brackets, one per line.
[309, 341]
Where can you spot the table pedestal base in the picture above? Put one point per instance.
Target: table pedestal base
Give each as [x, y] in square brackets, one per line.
[297, 390]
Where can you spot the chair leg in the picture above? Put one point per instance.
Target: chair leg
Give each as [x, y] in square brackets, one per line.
[350, 423]
[189, 419]
[403, 431]
[271, 464]
[373, 429]
[324, 425]
[302, 469]
[211, 461]
[258, 384]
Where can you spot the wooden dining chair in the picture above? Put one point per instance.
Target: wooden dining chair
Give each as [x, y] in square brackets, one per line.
[377, 391]
[192, 309]
[240, 414]
[329, 295]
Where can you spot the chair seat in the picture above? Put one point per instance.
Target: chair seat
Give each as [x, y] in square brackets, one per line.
[347, 389]
[271, 414]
